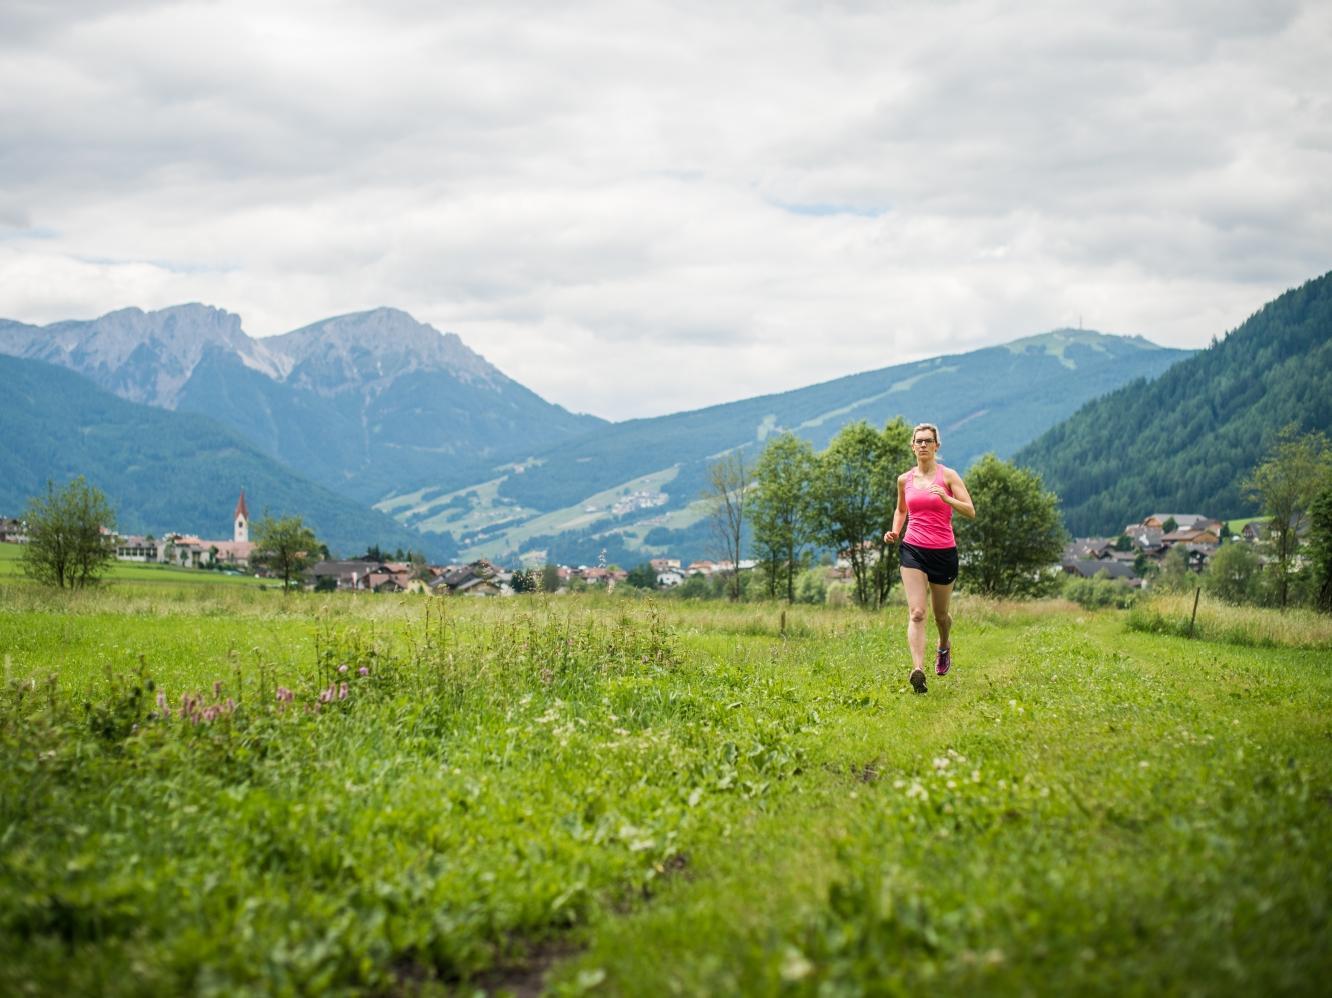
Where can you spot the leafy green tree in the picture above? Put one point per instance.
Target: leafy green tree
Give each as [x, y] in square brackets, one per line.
[1170, 525]
[1233, 573]
[854, 495]
[1016, 535]
[780, 508]
[525, 580]
[1320, 548]
[550, 577]
[694, 587]
[643, 576]
[1174, 574]
[812, 585]
[284, 546]
[1286, 484]
[66, 546]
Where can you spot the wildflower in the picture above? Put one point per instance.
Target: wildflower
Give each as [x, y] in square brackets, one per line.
[285, 695]
[217, 687]
[343, 667]
[342, 691]
[941, 763]
[363, 671]
[229, 706]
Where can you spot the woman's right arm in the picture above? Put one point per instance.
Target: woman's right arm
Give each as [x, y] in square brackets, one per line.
[899, 514]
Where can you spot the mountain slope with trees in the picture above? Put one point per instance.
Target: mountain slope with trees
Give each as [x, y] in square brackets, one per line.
[162, 470]
[1187, 440]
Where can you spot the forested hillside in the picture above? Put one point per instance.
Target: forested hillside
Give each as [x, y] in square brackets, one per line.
[163, 470]
[1185, 441]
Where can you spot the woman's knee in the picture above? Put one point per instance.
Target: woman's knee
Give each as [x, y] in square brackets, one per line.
[917, 614]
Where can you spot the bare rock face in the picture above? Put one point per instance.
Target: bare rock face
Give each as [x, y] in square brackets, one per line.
[140, 356]
[368, 350]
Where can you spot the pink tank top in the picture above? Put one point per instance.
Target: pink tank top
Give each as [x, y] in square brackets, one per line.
[929, 518]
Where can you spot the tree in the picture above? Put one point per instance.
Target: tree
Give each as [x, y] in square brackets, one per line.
[729, 478]
[1320, 548]
[66, 543]
[854, 495]
[1170, 525]
[643, 576]
[285, 547]
[525, 580]
[1286, 484]
[550, 577]
[1016, 535]
[1232, 573]
[780, 508]
[1174, 574]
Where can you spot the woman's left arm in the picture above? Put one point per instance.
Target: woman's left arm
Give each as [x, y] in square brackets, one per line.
[961, 498]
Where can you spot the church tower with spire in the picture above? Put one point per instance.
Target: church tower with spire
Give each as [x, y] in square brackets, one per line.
[242, 518]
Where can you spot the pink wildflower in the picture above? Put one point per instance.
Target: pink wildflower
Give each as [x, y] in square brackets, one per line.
[343, 667]
[342, 691]
[363, 671]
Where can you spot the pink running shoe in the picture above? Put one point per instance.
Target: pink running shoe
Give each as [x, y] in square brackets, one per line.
[943, 661]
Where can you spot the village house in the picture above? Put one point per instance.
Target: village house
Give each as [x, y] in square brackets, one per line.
[13, 530]
[1090, 568]
[135, 548]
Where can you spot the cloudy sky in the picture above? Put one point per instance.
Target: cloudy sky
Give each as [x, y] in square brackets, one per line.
[640, 207]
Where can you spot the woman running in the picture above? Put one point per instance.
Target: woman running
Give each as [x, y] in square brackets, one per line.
[926, 498]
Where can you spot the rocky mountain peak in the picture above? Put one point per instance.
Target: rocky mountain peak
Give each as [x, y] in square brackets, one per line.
[362, 348]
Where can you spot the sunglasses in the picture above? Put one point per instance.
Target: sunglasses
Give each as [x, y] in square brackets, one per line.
[922, 443]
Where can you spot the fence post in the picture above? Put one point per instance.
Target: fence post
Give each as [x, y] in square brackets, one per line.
[1196, 593]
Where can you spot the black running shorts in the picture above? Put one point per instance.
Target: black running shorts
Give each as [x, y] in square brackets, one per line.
[938, 564]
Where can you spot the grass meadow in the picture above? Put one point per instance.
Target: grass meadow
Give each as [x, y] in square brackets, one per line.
[219, 790]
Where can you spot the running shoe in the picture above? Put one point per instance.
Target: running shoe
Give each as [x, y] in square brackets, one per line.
[943, 661]
[918, 680]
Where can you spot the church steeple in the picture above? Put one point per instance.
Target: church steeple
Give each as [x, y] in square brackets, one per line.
[242, 518]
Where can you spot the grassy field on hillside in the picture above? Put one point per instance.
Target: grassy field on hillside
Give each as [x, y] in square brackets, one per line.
[123, 571]
[221, 790]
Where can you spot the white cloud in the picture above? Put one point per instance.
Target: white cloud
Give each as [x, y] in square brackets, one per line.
[639, 207]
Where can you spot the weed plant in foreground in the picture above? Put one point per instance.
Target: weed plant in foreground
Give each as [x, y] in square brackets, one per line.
[347, 794]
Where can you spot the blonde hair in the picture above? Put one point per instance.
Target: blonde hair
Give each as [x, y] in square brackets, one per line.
[927, 426]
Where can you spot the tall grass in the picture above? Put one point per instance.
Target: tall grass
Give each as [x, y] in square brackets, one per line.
[1251, 626]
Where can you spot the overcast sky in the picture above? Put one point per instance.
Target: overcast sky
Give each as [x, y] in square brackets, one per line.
[635, 208]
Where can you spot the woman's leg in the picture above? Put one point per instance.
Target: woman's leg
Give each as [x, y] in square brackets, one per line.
[917, 588]
[940, 597]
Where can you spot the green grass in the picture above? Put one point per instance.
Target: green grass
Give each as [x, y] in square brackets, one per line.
[124, 571]
[615, 796]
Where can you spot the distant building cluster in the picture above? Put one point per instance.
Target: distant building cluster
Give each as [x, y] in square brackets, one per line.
[188, 551]
[1147, 543]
